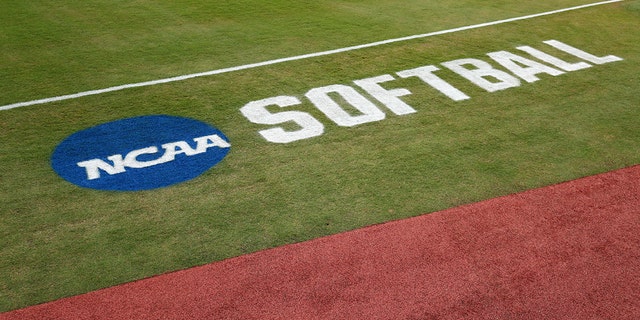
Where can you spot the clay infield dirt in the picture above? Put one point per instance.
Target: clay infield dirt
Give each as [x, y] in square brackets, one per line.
[567, 251]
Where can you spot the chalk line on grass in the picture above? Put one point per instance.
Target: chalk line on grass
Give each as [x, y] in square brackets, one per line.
[293, 58]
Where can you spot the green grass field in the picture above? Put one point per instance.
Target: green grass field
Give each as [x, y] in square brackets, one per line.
[57, 239]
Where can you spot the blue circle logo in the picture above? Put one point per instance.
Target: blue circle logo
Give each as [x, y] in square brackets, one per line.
[139, 153]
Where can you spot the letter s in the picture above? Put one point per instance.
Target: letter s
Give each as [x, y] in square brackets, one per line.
[257, 112]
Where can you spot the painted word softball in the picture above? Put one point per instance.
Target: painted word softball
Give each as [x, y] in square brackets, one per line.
[139, 153]
[479, 72]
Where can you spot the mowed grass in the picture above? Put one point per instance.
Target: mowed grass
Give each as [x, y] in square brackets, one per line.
[57, 239]
[49, 49]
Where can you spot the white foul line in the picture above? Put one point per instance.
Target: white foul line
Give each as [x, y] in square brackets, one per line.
[281, 60]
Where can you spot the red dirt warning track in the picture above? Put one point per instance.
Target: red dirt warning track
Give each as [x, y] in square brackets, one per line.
[568, 251]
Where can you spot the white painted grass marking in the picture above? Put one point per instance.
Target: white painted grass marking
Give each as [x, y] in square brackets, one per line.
[300, 57]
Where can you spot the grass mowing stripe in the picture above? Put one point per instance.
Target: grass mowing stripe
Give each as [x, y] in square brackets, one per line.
[294, 58]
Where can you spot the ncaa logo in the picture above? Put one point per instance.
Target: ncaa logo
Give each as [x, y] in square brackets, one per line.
[139, 153]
